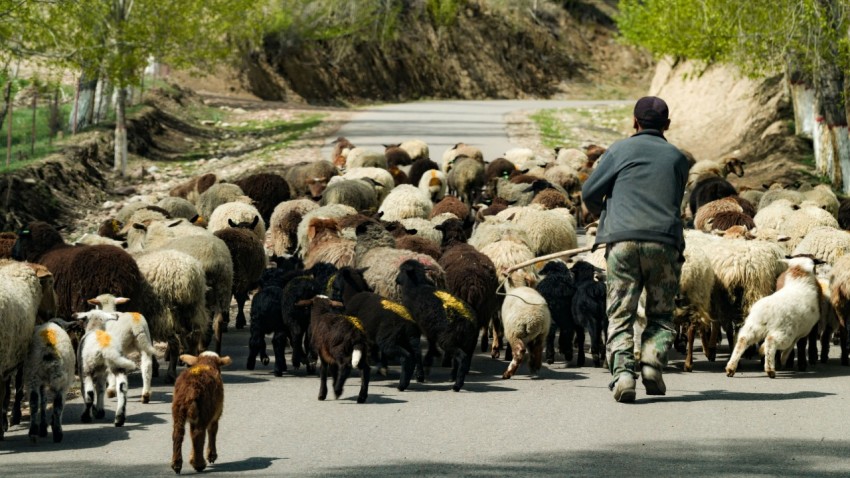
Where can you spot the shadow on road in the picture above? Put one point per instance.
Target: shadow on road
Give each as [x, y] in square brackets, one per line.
[739, 396]
[249, 464]
[743, 457]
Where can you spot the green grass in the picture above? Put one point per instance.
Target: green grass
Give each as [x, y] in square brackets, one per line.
[574, 127]
[22, 136]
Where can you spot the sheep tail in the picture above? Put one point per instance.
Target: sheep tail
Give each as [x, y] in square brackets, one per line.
[356, 356]
[117, 360]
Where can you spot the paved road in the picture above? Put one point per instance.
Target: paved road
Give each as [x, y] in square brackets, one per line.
[564, 423]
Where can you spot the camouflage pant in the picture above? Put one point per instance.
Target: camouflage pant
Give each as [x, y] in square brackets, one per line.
[633, 267]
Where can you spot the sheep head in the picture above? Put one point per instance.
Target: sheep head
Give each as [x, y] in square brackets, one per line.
[34, 240]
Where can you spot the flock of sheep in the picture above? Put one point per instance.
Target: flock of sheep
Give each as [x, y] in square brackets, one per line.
[352, 260]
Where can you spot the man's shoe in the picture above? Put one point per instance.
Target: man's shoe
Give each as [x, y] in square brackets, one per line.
[624, 388]
[652, 380]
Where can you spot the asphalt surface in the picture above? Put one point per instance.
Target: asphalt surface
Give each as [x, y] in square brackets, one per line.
[564, 423]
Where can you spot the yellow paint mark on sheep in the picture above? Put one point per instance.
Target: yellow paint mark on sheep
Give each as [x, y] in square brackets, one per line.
[103, 338]
[397, 309]
[452, 303]
[137, 317]
[116, 226]
[329, 288]
[355, 322]
[199, 369]
[49, 337]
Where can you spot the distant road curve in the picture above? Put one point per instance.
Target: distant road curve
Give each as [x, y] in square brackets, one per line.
[442, 124]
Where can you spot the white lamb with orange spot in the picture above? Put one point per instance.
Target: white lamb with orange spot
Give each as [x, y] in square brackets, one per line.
[433, 183]
[782, 318]
[99, 354]
[49, 368]
[132, 332]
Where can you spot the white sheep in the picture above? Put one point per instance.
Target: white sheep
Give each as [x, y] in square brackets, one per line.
[571, 157]
[20, 296]
[824, 243]
[95, 239]
[773, 195]
[217, 195]
[460, 150]
[49, 368]
[782, 318]
[548, 230]
[331, 211]
[434, 184]
[824, 198]
[284, 224]
[519, 156]
[424, 228]
[178, 207]
[526, 320]
[237, 212]
[416, 148]
[493, 229]
[507, 253]
[364, 158]
[99, 353]
[405, 201]
[133, 333]
[381, 176]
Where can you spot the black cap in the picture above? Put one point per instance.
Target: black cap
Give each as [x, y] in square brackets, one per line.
[651, 112]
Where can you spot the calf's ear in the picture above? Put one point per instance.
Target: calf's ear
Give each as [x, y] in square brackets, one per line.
[222, 361]
[189, 359]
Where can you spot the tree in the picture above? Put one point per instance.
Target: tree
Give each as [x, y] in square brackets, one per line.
[115, 39]
[808, 40]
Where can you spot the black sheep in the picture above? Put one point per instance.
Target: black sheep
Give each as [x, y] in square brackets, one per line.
[266, 318]
[267, 190]
[589, 311]
[418, 169]
[708, 190]
[295, 314]
[447, 322]
[340, 341]
[389, 326]
[558, 288]
[844, 214]
[249, 260]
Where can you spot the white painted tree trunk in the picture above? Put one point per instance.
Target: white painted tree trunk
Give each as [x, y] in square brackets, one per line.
[803, 98]
[120, 133]
[831, 141]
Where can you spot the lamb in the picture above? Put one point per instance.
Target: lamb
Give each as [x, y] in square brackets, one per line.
[466, 179]
[198, 399]
[782, 318]
[284, 224]
[552, 199]
[49, 368]
[405, 201]
[238, 212]
[177, 208]
[309, 179]
[379, 179]
[724, 220]
[526, 321]
[267, 190]
[249, 261]
[470, 276]
[825, 244]
[217, 195]
[341, 344]
[194, 187]
[458, 151]
[365, 158]
[416, 148]
[98, 355]
[19, 300]
[79, 272]
[389, 327]
[839, 292]
[507, 253]
[356, 193]
[434, 184]
[589, 311]
[447, 322]
[266, 318]
[418, 169]
[693, 304]
[558, 289]
[132, 333]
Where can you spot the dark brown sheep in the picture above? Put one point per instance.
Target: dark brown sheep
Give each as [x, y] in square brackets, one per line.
[551, 199]
[419, 167]
[418, 244]
[396, 156]
[249, 261]
[399, 176]
[194, 187]
[452, 205]
[199, 400]
[80, 272]
[844, 214]
[7, 242]
[340, 144]
[267, 190]
[341, 342]
[747, 206]
[726, 219]
[499, 168]
[111, 228]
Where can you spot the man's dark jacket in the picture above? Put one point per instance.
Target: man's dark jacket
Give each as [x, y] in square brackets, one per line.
[636, 190]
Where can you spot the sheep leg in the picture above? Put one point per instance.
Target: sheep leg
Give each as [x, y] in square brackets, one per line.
[42, 412]
[241, 298]
[100, 392]
[35, 400]
[485, 341]
[279, 346]
[87, 389]
[178, 432]
[580, 337]
[155, 366]
[460, 368]
[596, 346]
[4, 404]
[509, 353]
[498, 335]
[519, 354]
[342, 373]
[256, 346]
[689, 355]
[416, 345]
[710, 347]
[565, 344]
[56, 422]
[147, 376]
[323, 379]
[803, 356]
[110, 385]
[405, 358]
[740, 347]
[770, 356]
[825, 343]
[536, 362]
[813, 346]
[196, 458]
[173, 358]
[212, 433]
[364, 381]
[845, 348]
[121, 409]
[19, 396]
[550, 344]
[429, 357]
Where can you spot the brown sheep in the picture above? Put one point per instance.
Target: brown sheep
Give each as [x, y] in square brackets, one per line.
[340, 144]
[396, 156]
[551, 199]
[198, 399]
[267, 190]
[193, 188]
[7, 241]
[452, 205]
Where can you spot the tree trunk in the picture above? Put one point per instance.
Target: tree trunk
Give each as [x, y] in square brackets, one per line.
[9, 134]
[34, 107]
[7, 101]
[83, 105]
[831, 140]
[121, 133]
[802, 98]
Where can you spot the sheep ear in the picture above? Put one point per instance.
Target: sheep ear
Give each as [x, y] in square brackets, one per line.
[362, 270]
[189, 359]
[175, 223]
[140, 227]
[558, 149]
[61, 228]
[231, 223]
[196, 218]
[93, 301]
[224, 361]
[121, 300]
[783, 238]
[439, 227]
[255, 222]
